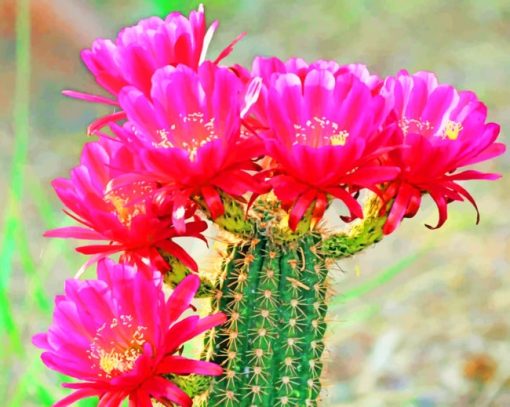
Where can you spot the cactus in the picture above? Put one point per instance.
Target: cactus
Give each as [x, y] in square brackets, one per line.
[273, 286]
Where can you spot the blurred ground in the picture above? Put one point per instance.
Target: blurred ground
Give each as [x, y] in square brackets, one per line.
[422, 319]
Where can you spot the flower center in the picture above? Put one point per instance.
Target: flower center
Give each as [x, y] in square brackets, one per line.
[450, 130]
[192, 133]
[117, 346]
[320, 131]
[128, 201]
[115, 361]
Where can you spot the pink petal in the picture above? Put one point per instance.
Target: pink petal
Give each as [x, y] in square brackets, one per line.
[300, 206]
[469, 197]
[398, 209]
[140, 399]
[112, 399]
[87, 97]
[181, 365]
[74, 232]
[207, 40]
[251, 96]
[321, 205]
[352, 204]
[75, 396]
[41, 341]
[190, 327]
[98, 124]
[182, 296]
[230, 47]
[441, 203]
[165, 390]
[179, 253]
[213, 201]
[472, 174]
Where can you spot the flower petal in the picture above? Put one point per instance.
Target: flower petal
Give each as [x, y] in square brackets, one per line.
[182, 296]
[182, 365]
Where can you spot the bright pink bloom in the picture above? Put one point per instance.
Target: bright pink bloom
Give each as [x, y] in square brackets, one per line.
[127, 219]
[265, 67]
[119, 336]
[324, 137]
[268, 68]
[188, 134]
[441, 130]
[138, 51]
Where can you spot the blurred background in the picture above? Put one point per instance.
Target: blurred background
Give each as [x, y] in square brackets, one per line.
[422, 319]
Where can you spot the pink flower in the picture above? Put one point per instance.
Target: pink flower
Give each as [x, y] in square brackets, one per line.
[188, 134]
[119, 336]
[126, 218]
[268, 68]
[324, 137]
[140, 50]
[442, 130]
[265, 67]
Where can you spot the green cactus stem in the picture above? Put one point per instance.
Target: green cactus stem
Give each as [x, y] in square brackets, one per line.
[275, 297]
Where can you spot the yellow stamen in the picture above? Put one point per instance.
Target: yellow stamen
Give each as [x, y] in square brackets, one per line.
[340, 138]
[120, 362]
[452, 130]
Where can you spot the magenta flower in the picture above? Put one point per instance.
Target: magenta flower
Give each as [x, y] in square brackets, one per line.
[323, 136]
[126, 218]
[119, 336]
[441, 130]
[265, 67]
[188, 134]
[268, 68]
[140, 50]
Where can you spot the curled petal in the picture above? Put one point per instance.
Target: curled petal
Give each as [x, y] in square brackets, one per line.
[398, 209]
[321, 204]
[352, 204]
[98, 124]
[300, 207]
[441, 204]
[469, 197]
[414, 204]
[213, 201]
[179, 253]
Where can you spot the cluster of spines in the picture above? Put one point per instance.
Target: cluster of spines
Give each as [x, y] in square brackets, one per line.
[271, 346]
